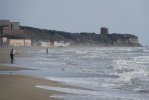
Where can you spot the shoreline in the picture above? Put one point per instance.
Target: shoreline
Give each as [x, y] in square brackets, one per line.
[21, 87]
[12, 68]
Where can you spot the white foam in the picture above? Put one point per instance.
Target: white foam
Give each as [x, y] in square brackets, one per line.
[82, 82]
[131, 71]
[137, 74]
[146, 50]
[141, 59]
[79, 97]
[108, 94]
[122, 64]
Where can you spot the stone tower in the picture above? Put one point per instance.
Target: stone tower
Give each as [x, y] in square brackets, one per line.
[104, 30]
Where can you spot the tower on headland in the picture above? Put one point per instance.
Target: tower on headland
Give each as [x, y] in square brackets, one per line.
[104, 30]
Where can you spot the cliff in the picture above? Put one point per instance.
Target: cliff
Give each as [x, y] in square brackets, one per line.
[81, 38]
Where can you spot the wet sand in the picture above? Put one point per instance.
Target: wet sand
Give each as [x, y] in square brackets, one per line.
[15, 87]
[12, 68]
[19, 87]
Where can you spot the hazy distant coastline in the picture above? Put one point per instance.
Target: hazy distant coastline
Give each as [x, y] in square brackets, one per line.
[83, 38]
[14, 34]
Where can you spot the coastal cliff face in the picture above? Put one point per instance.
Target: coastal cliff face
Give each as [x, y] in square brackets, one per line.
[133, 41]
[124, 40]
[82, 38]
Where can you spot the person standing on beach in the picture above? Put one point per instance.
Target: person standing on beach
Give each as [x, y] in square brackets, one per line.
[47, 51]
[12, 53]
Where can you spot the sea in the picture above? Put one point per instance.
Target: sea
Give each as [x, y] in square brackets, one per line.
[102, 73]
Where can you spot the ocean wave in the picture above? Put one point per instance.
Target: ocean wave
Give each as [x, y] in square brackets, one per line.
[94, 94]
[131, 72]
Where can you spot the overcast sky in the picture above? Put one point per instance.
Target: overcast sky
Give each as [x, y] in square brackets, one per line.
[120, 16]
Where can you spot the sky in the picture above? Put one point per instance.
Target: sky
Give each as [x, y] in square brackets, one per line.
[120, 16]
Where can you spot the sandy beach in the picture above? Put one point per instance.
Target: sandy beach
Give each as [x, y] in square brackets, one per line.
[19, 87]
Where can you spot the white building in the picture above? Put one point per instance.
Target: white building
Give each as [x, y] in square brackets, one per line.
[19, 42]
[4, 39]
[46, 44]
[61, 44]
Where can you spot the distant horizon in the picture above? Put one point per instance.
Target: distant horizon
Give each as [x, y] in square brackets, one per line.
[75, 16]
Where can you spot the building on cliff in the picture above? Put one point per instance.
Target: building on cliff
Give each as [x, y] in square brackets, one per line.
[14, 35]
[11, 27]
